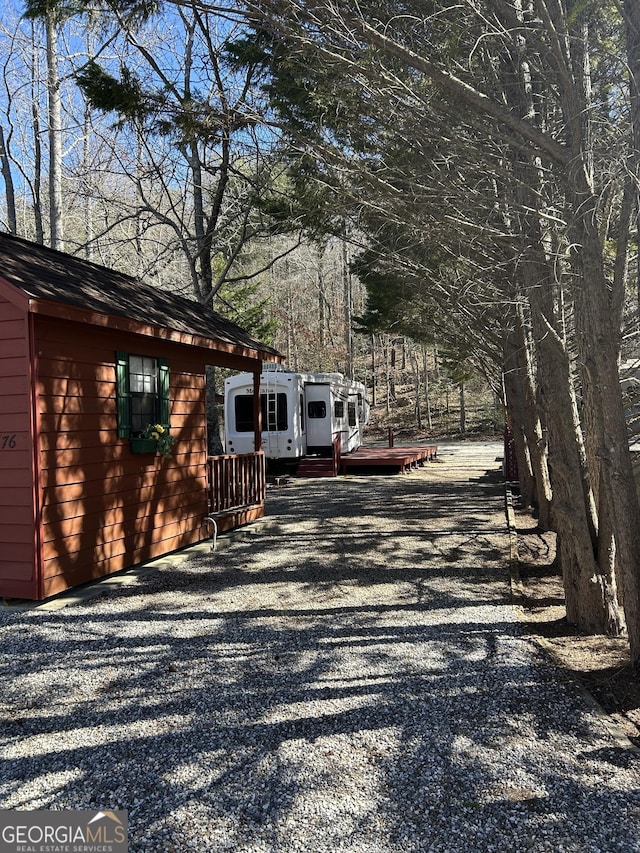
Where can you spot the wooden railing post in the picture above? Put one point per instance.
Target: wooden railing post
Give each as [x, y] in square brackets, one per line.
[257, 413]
[336, 453]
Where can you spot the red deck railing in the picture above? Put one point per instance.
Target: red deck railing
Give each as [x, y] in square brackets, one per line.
[236, 480]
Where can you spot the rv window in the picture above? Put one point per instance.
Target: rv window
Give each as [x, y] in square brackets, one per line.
[244, 413]
[351, 410]
[274, 412]
[338, 409]
[301, 412]
[317, 409]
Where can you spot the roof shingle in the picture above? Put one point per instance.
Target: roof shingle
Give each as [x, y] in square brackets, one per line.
[45, 274]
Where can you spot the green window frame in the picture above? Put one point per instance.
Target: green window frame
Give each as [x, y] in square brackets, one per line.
[158, 392]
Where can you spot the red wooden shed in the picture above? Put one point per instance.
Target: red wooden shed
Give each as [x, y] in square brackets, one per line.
[88, 357]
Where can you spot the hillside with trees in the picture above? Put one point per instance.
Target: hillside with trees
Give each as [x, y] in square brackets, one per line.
[450, 184]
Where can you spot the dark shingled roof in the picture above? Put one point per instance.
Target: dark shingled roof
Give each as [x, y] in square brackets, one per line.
[44, 273]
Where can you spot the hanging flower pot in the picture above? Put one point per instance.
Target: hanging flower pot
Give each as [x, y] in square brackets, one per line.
[143, 445]
[160, 434]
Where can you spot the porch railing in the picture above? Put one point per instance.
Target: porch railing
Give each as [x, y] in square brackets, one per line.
[236, 480]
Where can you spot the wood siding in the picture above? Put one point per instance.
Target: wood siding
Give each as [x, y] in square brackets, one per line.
[17, 514]
[103, 507]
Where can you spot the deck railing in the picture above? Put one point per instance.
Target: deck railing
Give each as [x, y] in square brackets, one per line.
[236, 480]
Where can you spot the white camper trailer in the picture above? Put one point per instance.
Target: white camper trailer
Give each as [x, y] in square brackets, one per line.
[302, 413]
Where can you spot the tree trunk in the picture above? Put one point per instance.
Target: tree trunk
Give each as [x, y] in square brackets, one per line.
[515, 403]
[374, 372]
[416, 385]
[322, 301]
[55, 134]
[533, 427]
[601, 348]
[37, 150]
[427, 388]
[348, 299]
[632, 29]
[9, 191]
[586, 600]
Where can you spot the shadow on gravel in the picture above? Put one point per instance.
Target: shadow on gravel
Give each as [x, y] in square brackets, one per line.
[357, 673]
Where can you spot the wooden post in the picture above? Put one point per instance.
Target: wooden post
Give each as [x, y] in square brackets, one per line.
[257, 412]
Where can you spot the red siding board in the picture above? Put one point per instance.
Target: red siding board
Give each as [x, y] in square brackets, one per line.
[15, 422]
[15, 461]
[139, 541]
[17, 497]
[17, 530]
[74, 483]
[68, 404]
[11, 312]
[8, 345]
[15, 398]
[127, 516]
[75, 387]
[17, 533]
[17, 552]
[23, 585]
[120, 504]
[114, 541]
[73, 577]
[15, 366]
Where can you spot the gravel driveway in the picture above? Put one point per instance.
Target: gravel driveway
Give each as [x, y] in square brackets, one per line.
[348, 676]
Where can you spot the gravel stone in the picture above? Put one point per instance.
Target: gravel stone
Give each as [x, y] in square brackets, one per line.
[348, 675]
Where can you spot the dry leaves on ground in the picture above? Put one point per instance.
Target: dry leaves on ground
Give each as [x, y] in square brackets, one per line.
[599, 663]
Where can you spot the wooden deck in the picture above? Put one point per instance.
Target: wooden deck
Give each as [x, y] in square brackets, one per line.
[403, 458]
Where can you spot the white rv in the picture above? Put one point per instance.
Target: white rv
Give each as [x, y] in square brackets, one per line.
[302, 413]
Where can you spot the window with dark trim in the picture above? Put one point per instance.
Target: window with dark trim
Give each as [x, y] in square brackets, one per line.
[351, 413]
[142, 387]
[317, 409]
[243, 410]
[274, 412]
[338, 409]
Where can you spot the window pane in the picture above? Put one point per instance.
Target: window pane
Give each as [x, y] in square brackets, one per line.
[244, 413]
[143, 388]
[143, 411]
[317, 409]
[338, 409]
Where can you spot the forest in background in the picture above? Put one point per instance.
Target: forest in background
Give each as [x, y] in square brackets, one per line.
[422, 191]
[128, 195]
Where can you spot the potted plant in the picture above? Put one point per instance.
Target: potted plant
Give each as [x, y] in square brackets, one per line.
[154, 438]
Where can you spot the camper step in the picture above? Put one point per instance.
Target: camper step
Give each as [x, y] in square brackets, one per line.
[316, 467]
